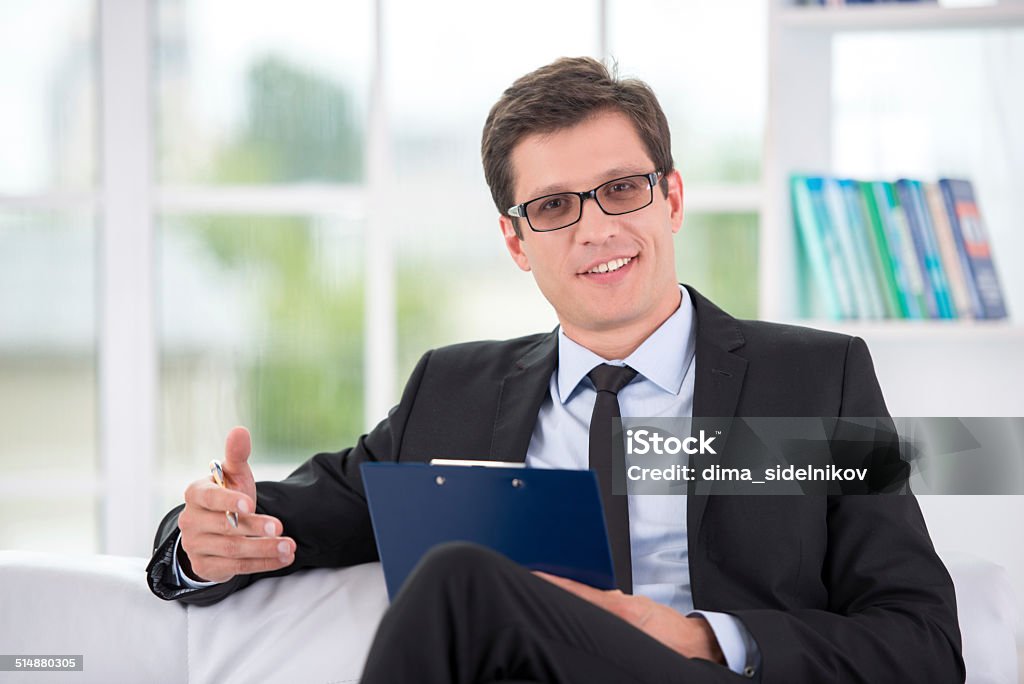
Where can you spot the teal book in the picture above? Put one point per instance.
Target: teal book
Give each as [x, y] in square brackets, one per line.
[813, 250]
[860, 233]
[884, 267]
[907, 270]
[837, 267]
[835, 205]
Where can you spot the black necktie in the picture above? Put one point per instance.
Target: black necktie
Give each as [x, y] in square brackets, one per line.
[608, 380]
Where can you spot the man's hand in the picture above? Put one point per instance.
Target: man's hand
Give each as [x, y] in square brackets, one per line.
[216, 550]
[692, 637]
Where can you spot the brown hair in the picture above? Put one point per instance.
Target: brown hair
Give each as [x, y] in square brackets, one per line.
[560, 95]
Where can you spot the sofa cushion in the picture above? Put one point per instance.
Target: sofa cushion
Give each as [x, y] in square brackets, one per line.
[312, 626]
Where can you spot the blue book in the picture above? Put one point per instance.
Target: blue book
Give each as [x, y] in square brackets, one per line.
[974, 248]
[548, 520]
[937, 294]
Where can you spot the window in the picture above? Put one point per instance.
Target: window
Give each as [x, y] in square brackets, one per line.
[292, 264]
[48, 277]
[704, 60]
[261, 292]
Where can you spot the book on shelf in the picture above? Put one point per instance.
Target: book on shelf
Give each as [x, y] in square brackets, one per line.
[903, 246]
[861, 238]
[887, 265]
[872, 249]
[821, 248]
[974, 248]
[936, 291]
[948, 251]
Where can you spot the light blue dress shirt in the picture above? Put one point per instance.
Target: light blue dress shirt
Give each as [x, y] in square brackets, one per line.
[663, 387]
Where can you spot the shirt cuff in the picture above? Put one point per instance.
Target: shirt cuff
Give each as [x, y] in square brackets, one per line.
[183, 579]
[739, 648]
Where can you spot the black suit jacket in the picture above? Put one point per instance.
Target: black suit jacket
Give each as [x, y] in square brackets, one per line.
[832, 588]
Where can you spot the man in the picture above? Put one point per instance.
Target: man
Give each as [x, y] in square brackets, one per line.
[811, 588]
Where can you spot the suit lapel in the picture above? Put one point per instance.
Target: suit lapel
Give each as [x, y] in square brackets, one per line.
[522, 392]
[719, 375]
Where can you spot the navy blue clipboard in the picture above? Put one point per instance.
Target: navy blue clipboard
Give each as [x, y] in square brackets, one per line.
[549, 520]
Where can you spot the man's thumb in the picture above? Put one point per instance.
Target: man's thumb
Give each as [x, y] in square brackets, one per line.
[237, 448]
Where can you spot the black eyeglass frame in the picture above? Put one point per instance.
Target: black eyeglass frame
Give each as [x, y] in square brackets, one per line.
[519, 210]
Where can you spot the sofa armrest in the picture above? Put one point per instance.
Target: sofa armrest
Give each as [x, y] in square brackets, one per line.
[95, 606]
[314, 625]
[987, 608]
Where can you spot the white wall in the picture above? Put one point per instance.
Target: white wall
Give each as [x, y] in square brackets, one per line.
[978, 370]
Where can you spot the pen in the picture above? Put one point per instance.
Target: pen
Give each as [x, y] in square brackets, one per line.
[218, 476]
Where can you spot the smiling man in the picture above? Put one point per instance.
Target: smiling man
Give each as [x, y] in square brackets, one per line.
[780, 588]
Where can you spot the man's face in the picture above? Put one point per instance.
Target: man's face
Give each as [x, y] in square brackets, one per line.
[637, 296]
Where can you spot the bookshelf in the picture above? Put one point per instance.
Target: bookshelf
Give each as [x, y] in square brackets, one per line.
[926, 368]
[980, 355]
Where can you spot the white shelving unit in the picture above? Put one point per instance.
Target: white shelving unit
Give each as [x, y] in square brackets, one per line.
[799, 127]
[798, 139]
[926, 368]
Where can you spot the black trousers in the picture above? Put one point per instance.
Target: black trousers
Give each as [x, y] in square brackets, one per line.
[468, 615]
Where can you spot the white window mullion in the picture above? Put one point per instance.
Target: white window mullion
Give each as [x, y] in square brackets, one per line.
[306, 199]
[83, 202]
[127, 339]
[380, 348]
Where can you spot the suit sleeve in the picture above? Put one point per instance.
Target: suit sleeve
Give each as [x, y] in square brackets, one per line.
[892, 609]
[322, 505]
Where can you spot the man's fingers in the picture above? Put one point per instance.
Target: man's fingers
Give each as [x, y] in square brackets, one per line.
[584, 591]
[567, 584]
[195, 520]
[237, 448]
[633, 609]
[237, 547]
[254, 526]
[222, 569]
[205, 494]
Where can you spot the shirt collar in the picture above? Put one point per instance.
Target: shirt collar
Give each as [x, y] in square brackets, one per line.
[658, 358]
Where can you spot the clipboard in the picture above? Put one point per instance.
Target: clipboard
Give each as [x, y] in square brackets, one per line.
[548, 520]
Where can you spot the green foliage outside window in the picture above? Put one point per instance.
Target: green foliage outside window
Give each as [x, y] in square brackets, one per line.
[717, 254]
[304, 381]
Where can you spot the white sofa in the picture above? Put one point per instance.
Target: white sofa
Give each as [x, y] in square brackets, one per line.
[315, 626]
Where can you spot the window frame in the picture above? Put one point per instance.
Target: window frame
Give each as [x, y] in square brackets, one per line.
[126, 203]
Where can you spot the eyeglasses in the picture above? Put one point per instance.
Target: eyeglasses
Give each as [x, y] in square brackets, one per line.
[563, 209]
